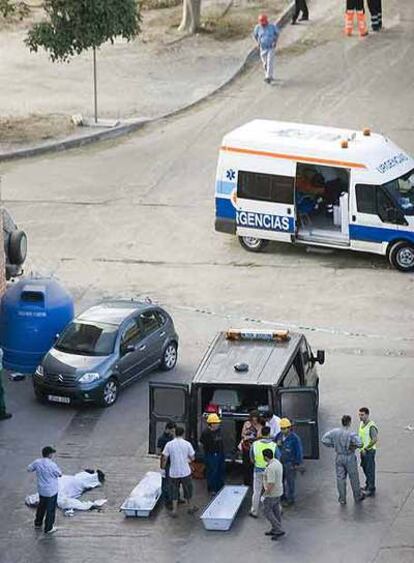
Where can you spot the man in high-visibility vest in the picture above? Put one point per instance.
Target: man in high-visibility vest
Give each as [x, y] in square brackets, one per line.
[368, 432]
[260, 464]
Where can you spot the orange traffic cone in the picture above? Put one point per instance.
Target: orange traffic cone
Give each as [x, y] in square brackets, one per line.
[362, 24]
[349, 22]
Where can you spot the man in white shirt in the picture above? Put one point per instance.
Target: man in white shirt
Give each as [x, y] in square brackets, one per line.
[273, 422]
[47, 473]
[180, 453]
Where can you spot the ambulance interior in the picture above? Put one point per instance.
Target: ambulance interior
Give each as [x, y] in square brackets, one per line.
[233, 404]
[322, 199]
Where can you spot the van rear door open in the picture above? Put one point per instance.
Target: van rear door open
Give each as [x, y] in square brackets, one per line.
[300, 405]
[168, 402]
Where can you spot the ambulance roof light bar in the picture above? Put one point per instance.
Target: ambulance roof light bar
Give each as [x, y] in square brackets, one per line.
[247, 334]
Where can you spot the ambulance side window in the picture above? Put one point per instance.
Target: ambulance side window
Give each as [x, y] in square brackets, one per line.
[366, 199]
[265, 187]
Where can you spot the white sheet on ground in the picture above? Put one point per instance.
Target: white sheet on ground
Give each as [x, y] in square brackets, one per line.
[146, 493]
[70, 489]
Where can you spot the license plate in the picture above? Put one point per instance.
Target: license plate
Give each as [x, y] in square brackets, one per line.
[57, 399]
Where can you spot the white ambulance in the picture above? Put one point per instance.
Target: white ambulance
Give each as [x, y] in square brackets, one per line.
[319, 186]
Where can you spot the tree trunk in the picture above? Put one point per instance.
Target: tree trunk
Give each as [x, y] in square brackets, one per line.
[190, 21]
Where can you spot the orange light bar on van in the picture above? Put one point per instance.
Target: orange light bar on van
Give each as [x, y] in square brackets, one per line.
[246, 334]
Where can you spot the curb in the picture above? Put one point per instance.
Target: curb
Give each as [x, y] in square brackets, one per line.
[126, 128]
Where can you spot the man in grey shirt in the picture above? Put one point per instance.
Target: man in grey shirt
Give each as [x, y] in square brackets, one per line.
[345, 443]
[47, 473]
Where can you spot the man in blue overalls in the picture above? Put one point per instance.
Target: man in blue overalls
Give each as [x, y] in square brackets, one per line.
[212, 441]
[291, 456]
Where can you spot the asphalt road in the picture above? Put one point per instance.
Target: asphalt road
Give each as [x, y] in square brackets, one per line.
[136, 218]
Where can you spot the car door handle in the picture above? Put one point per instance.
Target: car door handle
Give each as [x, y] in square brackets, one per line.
[162, 333]
[142, 348]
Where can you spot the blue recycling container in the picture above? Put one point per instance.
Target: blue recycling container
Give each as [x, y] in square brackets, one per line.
[33, 311]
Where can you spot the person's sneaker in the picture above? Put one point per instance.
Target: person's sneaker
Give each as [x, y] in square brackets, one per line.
[369, 493]
[52, 530]
[5, 415]
[279, 534]
[341, 501]
[293, 22]
[361, 498]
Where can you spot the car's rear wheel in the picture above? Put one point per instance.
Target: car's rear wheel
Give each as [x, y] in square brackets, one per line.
[253, 244]
[110, 392]
[169, 358]
[401, 256]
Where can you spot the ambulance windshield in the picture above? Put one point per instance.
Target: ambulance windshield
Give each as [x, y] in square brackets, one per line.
[402, 191]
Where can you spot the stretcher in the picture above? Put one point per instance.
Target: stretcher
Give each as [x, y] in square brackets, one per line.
[144, 497]
[221, 512]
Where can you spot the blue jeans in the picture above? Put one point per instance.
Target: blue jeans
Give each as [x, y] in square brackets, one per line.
[289, 476]
[215, 470]
[368, 467]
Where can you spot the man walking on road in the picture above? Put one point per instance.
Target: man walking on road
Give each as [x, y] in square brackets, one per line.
[291, 457]
[345, 443]
[4, 415]
[259, 464]
[368, 433]
[212, 442]
[180, 453]
[300, 6]
[273, 489]
[266, 35]
[47, 473]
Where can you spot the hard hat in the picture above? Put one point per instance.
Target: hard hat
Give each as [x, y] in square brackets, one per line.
[285, 423]
[262, 19]
[213, 419]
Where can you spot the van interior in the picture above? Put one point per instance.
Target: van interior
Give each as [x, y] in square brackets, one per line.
[234, 404]
[322, 200]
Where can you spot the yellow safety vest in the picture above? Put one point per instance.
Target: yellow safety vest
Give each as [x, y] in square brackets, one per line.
[258, 448]
[364, 434]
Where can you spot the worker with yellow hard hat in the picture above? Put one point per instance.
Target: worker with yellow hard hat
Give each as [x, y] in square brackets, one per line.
[291, 457]
[212, 441]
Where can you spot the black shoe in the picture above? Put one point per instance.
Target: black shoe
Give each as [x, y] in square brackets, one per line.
[369, 493]
[5, 415]
[279, 534]
[293, 22]
[270, 533]
[361, 498]
[181, 501]
[304, 19]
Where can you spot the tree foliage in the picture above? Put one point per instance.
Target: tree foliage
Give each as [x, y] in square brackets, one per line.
[11, 8]
[73, 26]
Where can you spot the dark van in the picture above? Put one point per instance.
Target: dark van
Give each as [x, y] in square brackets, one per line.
[244, 370]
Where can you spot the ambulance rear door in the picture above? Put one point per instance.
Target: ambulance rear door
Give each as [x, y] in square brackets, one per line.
[168, 402]
[265, 198]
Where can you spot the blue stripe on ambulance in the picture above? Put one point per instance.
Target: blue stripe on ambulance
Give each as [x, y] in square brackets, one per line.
[225, 208]
[378, 234]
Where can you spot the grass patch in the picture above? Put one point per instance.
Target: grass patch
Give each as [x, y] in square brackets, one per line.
[34, 128]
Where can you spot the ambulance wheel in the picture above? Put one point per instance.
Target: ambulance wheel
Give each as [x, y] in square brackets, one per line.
[253, 244]
[401, 256]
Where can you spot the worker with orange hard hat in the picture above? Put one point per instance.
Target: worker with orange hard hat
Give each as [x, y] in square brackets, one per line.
[266, 35]
[212, 441]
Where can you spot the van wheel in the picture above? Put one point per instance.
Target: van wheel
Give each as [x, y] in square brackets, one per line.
[401, 256]
[17, 249]
[110, 392]
[253, 244]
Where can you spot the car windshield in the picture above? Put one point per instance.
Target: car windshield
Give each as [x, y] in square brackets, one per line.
[402, 191]
[88, 339]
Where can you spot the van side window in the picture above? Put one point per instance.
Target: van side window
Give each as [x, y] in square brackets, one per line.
[265, 187]
[366, 198]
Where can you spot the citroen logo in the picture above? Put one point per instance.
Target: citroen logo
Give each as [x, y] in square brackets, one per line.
[60, 378]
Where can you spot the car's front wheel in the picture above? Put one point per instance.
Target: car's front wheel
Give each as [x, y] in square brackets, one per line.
[169, 358]
[110, 392]
[401, 256]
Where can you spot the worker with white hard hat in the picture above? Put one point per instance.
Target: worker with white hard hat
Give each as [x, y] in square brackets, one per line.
[212, 441]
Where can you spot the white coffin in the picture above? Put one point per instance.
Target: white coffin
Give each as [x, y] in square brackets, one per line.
[220, 513]
[143, 497]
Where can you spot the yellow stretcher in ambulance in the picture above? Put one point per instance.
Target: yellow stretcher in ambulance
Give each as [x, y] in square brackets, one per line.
[319, 186]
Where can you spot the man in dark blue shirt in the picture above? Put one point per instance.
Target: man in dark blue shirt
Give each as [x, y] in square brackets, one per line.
[291, 456]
